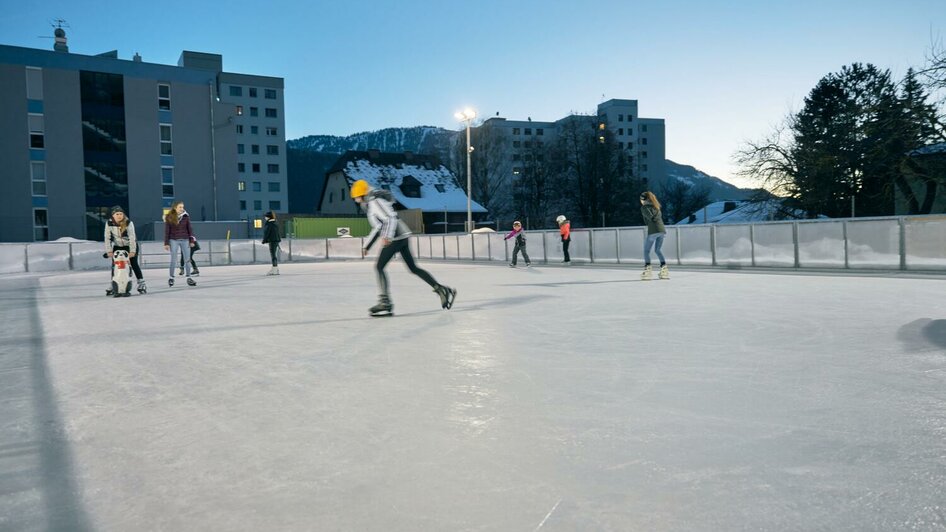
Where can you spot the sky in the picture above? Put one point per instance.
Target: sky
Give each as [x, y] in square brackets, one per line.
[719, 73]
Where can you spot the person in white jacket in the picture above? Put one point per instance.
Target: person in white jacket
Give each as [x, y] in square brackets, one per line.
[120, 234]
[394, 233]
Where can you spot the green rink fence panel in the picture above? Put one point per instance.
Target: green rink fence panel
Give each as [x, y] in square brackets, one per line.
[329, 227]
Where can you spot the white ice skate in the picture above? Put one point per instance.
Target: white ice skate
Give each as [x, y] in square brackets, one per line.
[273, 271]
[121, 283]
[647, 274]
[664, 272]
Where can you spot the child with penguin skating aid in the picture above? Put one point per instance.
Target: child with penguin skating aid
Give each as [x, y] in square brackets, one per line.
[394, 233]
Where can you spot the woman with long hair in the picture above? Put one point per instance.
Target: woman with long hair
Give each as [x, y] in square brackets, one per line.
[650, 209]
[120, 235]
[177, 239]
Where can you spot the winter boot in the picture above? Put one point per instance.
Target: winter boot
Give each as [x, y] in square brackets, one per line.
[191, 282]
[142, 287]
[446, 294]
[383, 308]
[647, 274]
[664, 272]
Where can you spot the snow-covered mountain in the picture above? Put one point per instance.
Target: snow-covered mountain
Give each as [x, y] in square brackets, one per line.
[718, 189]
[420, 139]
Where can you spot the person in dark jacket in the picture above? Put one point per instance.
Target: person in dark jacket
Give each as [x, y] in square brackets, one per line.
[177, 239]
[271, 237]
[394, 234]
[120, 234]
[650, 209]
[194, 249]
[520, 237]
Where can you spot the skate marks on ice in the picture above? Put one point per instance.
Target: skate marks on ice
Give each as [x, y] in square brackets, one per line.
[569, 283]
[37, 479]
[923, 335]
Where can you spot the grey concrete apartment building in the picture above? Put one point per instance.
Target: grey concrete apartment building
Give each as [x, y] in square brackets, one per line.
[80, 133]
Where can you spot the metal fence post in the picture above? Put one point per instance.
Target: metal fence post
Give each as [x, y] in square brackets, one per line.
[71, 266]
[752, 243]
[847, 263]
[795, 243]
[679, 248]
[591, 245]
[903, 243]
[617, 244]
[713, 242]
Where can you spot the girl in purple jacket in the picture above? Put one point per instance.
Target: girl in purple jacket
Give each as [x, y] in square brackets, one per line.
[178, 239]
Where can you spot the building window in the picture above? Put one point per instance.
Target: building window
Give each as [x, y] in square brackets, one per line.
[516, 170]
[528, 131]
[242, 205]
[527, 144]
[34, 83]
[516, 157]
[621, 131]
[515, 131]
[274, 186]
[272, 168]
[331, 197]
[539, 131]
[630, 118]
[621, 145]
[630, 145]
[38, 176]
[252, 92]
[239, 129]
[236, 91]
[254, 149]
[257, 205]
[270, 112]
[254, 111]
[165, 136]
[275, 205]
[257, 186]
[239, 110]
[643, 155]
[241, 186]
[272, 150]
[40, 225]
[254, 130]
[241, 148]
[643, 128]
[620, 118]
[516, 144]
[167, 182]
[37, 131]
[164, 96]
[271, 132]
[540, 157]
[241, 167]
[270, 94]
[644, 141]
[255, 168]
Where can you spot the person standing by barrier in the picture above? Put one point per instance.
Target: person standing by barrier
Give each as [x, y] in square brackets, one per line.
[520, 237]
[394, 233]
[120, 234]
[271, 237]
[177, 239]
[650, 209]
[565, 230]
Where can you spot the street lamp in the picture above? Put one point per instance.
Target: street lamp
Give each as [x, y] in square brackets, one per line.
[467, 115]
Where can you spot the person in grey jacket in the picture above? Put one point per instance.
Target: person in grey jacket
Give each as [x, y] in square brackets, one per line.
[650, 210]
[120, 234]
[394, 233]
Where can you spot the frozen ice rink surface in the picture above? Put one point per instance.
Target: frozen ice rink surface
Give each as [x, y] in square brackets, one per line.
[548, 399]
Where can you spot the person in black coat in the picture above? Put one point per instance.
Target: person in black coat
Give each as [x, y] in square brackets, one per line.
[271, 237]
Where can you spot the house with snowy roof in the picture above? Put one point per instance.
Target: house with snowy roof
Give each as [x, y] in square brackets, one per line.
[419, 182]
[744, 211]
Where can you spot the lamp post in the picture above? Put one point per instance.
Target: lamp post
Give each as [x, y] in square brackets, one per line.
[467, 115]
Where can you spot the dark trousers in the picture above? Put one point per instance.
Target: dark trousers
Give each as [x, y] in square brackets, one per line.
[273, 249]
[515, 251]
[134, 262]
[565, 244]
[387, 253]
[190, 251]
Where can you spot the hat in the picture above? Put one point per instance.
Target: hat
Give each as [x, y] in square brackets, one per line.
[359, 188]
[560, 218]
[117, 208]
[517, 222]
[270, 215]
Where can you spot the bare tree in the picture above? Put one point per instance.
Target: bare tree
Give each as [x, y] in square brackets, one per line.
[679, 199]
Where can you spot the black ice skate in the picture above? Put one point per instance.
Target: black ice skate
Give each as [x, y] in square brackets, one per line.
[191, 282]
[195, 272]
[447, 295]
[142, 287]
[383, 308]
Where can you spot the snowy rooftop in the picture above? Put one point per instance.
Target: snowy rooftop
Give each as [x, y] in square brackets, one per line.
[439, 190]
[547, 399]
[737, 212]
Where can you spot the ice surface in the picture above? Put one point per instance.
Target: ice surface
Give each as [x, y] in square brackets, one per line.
[549, 398]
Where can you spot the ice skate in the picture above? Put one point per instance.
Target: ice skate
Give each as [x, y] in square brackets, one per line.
[142, 287]
[171, 281]
[447, 296]
[528, 265]
[194, 271]
[383, 308]
[181, 271]
[191, 282]
[664, 272]
[273, 271]
[647, 274]
[512, 265]
[109, 291]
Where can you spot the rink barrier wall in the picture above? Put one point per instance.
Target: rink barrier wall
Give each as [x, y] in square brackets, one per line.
[903, 243]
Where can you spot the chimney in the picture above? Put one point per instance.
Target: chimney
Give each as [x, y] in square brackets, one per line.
[137, 58]
[60, 45]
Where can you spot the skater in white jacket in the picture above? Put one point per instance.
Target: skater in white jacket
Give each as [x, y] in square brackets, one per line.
[394, 233]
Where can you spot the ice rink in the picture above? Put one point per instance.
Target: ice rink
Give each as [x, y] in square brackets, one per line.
[565, 399]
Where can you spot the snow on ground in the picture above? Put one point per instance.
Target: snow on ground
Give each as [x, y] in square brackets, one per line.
[551, 398]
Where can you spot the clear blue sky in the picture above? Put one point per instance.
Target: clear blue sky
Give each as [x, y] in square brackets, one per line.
[718, 74]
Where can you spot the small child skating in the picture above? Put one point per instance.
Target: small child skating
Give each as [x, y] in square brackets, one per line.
[650, 209]
[565, 230]
[394, 233]
[520, 237]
